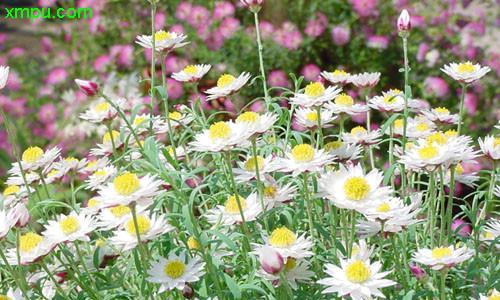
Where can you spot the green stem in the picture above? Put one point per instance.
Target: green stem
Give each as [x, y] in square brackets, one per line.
[460, 114]
[449, 210]
[261, 60]
[442, 286]
[405, 112]
[153, 65]
[21, 281]
[308, 205]
[353, 233]
[319, 143]
[442, 212]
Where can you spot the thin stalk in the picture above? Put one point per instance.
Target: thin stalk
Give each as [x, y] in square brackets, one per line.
[260, 185]
[110, 131]
[449, 210]
[442, 286]
[308, 204]
[460, 114]
[431, 203]
[405, 112]
[21, 283]
[442, 212]
[138, 235]
[391, 150]
[261, 60]
[489, 198]
[319, 142]
[353, 233]
[333, 227]
[56, 284]
[166, 107]
[153, 65]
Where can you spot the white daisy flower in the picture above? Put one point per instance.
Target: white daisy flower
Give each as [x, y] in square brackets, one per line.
[221, 136]
[92, 206]
[149, 228]
[112, 217]
[491, 231]
[441, 115]
[35, 159]
[4, 76]
[315, 94]
[175, 271]
[94, 165]
[191, 73]
[106, 147]
[365, 79]
[294, 271]
[360, 250]
[490, 146]
[350, 188]
[304, 158]
[344, 104]
[100, 177]
[308, 117]
[163, 40]
[140, 124]
[13, 193]
[229, 213]
[17, 178]
[465, 72]
[493, 295]
[288, 244]
[178, 118]
[69, 228]
[390, 101]
[343, 151]
[339, 77]
[393, 207]
[418, 127]
[467, 179]
[356, 278]
[32, 246]
[127, 188]
[101, 112]
[7, 220]
[442, 257]
[227, 85]
[69, 164]
[255, 123]
[247, 169]
[360, 136]
[275, 196]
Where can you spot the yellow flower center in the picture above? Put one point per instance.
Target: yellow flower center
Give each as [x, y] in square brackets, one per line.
[102, 107]
[120, 210]
[488, 235]
[496, 142]
[174, 268]
[441, 252]
[143, 225]
[175, 115]
[358, 130]
[191, 70]
[126, 184]
[254, 163]
[32, 154]
[384, 207]
[219, 130]
[290, 264]
[315, 89]
[100, 173]
[357, 272]
[93, 202]
[29, 241]
[107, 137]
[282, 237]
[355, 250]
[333, 145]
[344, 100]
[438, 138]
[71, 160]
[69, 225]
[399, 123]
[193, 244]
[422, 127]
[442, 111]
[451, 133]
[248, 117]
[270, 191]
[312, 116]
[162, 35]
[11, 190]
[303, 153]
[467, 67]
[339, 73]
[53, 173]
[494, 297]
[231, 205]
[428, 152]
[356, 188]
[410, 145]
[4, 297]
[91, 164]
[139, 120]
[459, 170]
[225, 80]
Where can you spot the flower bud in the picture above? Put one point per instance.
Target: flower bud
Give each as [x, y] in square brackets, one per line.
[404, 23]
[22, 214]
[89, 88]
[253, 5]
[418, 272]
[461, 228]
[270, 260]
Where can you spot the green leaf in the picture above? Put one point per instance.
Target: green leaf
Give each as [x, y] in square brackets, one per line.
[233, 286]
[389, 122]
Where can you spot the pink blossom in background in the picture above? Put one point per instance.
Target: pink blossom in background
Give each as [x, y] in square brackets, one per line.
[14, 82]
[461, 227]
[470, 103]
[16, 52]
[471, 52]
[47, 113]
[125, 56]
[46, 43]
[341, 35]
[278, 78]
[46, 3]
[46, 90]
[174, 64]
[297, 126]
[377, 41]
[95, 24]
[223, 9]
[422, 51]
[3, 38]
[436, 86]
[177, 28]
[15, 107]
[183, 10]
[175, 89]
[160, 20]
[215, 41]
[4, 141]
[316, 25]
[228, 27]
[199, 17]
[101, 63]
[56, 76]
[494, 62]
[364, 8]
[229, 106]
[266, 29]
[310, 72]
[258, 106]
[288, 36]
[417, 21]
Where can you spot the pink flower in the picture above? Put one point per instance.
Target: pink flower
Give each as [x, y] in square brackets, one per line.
[310, 72]
[47, 113]
[223, 9]
[417, 271]
[183, 10]
[436, 86]
[378, 41]
[101, 63]
[258, 106]
[461, 227]
[160, 19]
[253, 5]
[364, 8]
[288, 36]
[278, 78]
[317, 25]
[341, 35]
[266, 29]
[89, 88]
[125, 56]
[16, 52]
[177, 28]
[174, 64]
[470, 103]
[46, 43]
[228, 27]
[270, 260]
[423, 48]
[404, 23]
[14, 82]
[199, 17]
[56, 76]
[175, 89]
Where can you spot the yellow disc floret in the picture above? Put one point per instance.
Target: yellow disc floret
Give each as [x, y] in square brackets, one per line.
[69, 225]
[191, 70]
[312, 116]
[254, 163]
[441, 252]
[225, 80]
[102, 107]
[174, 268]
[384, 207]
[303, 153]
[162, 35]
[428, 152]
[442, 111]
[120, 210]
[248, 117]
[333, 145]
[193, 244]
[315, 89]
[11, 190]
[29, 241]
[467, 67]
[357, 272]
[344, 100]
[358, 130]
[143, 225]
[282, 237]
[356, 188]
[231, 205]
[126, 184]
[219, 130]
[32, 154]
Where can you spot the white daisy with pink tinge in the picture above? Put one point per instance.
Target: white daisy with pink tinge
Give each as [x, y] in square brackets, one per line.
[304, 158]
[365, 80]
[191, 73]
[440, 115]
[344, 104]
[465, 72]
[440, 258]
[490, 146]
[70, 228]
[308, 118]
[163, 40]
[340, 77]
[287, 243]
[230, 213]
[227, 85]
[360, 136]
[315, 94]
[390, 101]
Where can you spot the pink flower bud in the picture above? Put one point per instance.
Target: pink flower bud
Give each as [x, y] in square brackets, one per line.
[22, 214]
[404, 23]
[461, 227]
[254, 5]
[270, 260]
[417, 271]
[89, 88]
